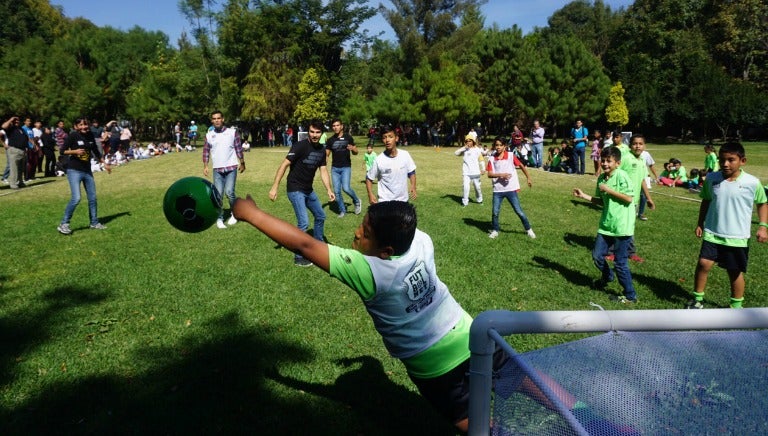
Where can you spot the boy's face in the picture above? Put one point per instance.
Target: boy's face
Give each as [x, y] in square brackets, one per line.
[637, 146]
[499, 146]
[314, 134]
[617, 140]
[730, 164]
[217, 120]
[390, 140]
[608, 164]
[337, 127]
[369, 150]
[364, 240]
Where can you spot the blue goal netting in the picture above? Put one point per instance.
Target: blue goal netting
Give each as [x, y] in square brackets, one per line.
[679, 382]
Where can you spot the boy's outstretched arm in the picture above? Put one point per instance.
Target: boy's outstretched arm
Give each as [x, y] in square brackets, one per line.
[285, 234]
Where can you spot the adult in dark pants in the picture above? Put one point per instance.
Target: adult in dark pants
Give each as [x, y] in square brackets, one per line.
[17, 142]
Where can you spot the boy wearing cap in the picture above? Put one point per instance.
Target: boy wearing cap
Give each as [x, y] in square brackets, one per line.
[471, 167]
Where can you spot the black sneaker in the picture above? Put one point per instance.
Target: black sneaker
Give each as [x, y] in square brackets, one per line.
[300, 261]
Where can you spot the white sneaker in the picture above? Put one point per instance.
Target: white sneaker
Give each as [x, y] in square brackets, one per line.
[358, 208]
[232, 220]
[220, 224]
[531, 234]
[493, 235]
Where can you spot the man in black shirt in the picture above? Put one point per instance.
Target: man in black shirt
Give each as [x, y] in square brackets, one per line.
[304, 158]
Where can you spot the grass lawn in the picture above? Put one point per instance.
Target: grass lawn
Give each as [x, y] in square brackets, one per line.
[144, 329]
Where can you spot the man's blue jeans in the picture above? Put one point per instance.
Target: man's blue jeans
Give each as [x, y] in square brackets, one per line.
[620, 263]
[579, 156]
[538, 153]
[341, 181]
[514, 200]
[75, 177]
[301, 202]
[225, 184]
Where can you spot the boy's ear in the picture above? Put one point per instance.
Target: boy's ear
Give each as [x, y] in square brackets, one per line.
[386, 252]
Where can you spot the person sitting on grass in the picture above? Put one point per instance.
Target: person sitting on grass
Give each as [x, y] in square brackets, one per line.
[676, 174]
[615, 193]
[391, 266]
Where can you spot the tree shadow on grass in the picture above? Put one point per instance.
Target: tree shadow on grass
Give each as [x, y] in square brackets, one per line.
[214, 382]
[27, 329]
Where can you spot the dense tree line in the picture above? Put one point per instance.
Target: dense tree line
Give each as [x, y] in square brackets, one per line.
[697, 66]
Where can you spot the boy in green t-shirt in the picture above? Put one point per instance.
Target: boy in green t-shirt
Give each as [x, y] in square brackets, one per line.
[368, 159]
[392, 268]
[724, 222]
[615, 192]
[710, 162]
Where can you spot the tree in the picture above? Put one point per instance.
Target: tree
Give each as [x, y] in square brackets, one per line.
[313, 97]
[616, 113]
[594, 25]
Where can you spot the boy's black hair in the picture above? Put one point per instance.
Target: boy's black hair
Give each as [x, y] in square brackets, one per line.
[501, 139]
[611, 151]
[733, 147]
[317, 124]
[695, 172]
[636, 135]
[387, 129]
[675, 161]
[393, 224]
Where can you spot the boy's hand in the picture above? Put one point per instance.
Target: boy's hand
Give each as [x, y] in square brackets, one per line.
[578, 193]
[241, 206]
[699, 231]
[762, 234]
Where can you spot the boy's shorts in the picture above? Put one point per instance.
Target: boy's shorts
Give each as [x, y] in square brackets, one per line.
[449, 393]
[728, 258]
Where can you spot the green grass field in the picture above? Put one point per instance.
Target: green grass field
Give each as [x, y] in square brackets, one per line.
[145, 329]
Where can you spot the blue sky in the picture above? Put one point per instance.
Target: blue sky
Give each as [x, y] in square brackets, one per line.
[164, 15]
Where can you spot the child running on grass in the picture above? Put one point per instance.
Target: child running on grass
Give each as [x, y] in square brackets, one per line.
[392, 267]
[615, 193]
[502, 169]
[724, 222]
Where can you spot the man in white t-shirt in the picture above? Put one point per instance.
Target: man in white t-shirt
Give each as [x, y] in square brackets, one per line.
[393, 170]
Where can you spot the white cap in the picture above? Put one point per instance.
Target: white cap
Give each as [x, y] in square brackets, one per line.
[192, 122]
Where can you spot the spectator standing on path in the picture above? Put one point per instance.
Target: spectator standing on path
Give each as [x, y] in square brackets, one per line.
[579, 135]
[98, 134]
[340, 147]
[537, 143]
[304, 159]
[16, 141]
[225, 152]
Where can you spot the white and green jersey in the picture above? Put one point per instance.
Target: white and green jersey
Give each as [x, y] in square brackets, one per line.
[413, 311]
[729, 217]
